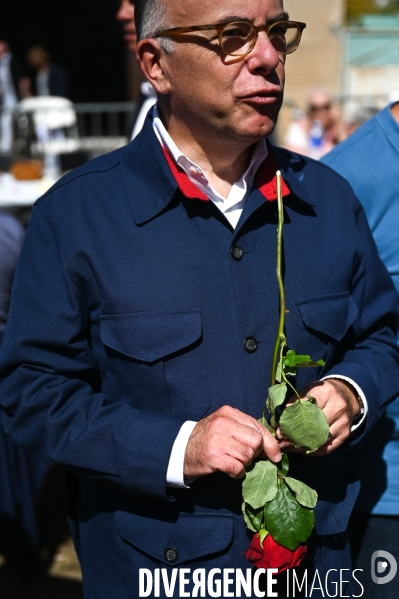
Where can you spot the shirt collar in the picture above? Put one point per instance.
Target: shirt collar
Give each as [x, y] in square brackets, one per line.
[147, 90]
[180, 165]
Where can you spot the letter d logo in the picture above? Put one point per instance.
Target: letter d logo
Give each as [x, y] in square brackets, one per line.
[379, 567]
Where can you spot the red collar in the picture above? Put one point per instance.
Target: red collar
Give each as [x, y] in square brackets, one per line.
[265, 180]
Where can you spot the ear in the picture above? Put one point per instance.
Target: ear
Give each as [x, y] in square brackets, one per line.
[150, 57]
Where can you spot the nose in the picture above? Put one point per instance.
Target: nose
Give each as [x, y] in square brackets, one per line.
[263, 56]
[125, 11]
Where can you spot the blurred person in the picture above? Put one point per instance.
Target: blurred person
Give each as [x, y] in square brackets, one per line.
[21, 476]
[147, 96]
[11, 237]
[317, 131]
[368, 159]
[146, 304]
[360, 116]
[125, 15]
[14, 85]
[51, 79]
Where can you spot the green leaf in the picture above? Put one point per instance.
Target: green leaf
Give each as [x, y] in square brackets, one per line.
[252, 518]
[262, 535]
[278, 372]
[284, 465]
[260, 483]
[304, 424]
[293, 360]
[276, 396]
[305, 495]
[289, 523]
[265, 423]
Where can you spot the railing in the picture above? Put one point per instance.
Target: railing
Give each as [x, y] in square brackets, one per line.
[101, 126]
[106, 119]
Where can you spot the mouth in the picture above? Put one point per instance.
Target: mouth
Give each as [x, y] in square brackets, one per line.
[262, 97]
[129, 29]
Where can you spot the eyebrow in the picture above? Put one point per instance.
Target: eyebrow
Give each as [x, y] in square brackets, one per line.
[284, 16]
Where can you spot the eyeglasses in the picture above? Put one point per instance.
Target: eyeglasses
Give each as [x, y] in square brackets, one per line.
[320, 108]
[237, 38]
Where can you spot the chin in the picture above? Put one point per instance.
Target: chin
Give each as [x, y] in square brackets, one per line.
[260, 123]
[257, 131]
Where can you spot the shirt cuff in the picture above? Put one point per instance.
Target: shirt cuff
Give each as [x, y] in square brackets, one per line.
[175, 473]
[363, 408]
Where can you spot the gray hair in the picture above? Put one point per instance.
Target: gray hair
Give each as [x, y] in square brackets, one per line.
[152, 16]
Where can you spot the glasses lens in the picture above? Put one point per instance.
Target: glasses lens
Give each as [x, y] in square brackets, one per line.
[284, 37]
[236, 38]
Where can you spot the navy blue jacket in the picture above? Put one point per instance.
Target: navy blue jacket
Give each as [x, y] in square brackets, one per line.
[128, 317]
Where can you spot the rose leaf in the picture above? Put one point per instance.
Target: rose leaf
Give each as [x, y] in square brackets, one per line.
[260, 483]
[289, 523]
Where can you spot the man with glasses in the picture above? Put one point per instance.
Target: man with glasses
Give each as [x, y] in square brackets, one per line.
[145, 309]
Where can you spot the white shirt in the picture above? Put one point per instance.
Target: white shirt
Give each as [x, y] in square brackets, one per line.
[8, 93]
[42, 83]
[231, 207]
[151, 97]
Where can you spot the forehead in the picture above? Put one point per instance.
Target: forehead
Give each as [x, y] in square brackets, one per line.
[211, 11]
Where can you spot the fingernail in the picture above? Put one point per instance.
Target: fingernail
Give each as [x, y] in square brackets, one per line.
[278, 457]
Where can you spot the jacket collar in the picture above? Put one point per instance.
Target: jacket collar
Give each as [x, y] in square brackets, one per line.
[293, 172]
[152, 178]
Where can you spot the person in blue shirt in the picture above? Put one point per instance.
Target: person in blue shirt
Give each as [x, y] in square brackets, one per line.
[369, 160]
[140, 338]
[11, 237]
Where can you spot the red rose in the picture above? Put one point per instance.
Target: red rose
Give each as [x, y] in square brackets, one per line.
[273, 555]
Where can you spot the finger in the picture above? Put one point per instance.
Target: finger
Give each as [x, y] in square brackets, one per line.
[253, 438]
[233, 468]
[337, 413]
[340, 431]
[249, 435]
[242, 418]
[284, 445]
[271, 447]
[239, 452]
[336, 437]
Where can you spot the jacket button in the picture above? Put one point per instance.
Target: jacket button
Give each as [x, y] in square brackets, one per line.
[236, 252]
[171, 554]
[250, 345]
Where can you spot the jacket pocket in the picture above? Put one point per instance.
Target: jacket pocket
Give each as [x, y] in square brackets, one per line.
[166, 354]
[189, 536]
[331, 315]
[324, 323]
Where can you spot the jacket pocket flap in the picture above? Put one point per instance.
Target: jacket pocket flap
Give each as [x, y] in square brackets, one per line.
[329, 314]
[150, 336]
[191, 536]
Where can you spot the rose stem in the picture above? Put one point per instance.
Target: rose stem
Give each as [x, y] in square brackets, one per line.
[280, 333]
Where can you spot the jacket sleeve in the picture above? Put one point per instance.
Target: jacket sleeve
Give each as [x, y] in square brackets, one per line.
[51, 400]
